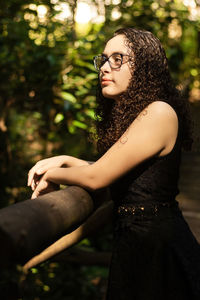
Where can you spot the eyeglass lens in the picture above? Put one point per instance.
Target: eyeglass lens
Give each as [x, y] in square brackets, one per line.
[115, 61]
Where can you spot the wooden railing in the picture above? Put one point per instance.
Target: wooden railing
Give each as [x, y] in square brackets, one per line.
[28, 227]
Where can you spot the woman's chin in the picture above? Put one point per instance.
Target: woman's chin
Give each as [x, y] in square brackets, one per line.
[110, 96]
[106, 94]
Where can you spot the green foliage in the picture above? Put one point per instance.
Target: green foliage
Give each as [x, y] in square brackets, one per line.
[54, 281]
[47, 98]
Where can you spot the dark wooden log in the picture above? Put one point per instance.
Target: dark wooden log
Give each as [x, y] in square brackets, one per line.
[100, 216]
[30, 226]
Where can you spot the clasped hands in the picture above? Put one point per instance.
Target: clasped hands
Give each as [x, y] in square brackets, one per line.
[38, 176]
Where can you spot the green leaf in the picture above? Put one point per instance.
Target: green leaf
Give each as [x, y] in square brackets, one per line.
[90, 113]
[79, 124]
[68, 97]
[58, 118]
[92, 76]
[194, 72]
[85, 64]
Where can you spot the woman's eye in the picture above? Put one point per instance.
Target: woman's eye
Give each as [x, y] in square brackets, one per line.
[117, 59]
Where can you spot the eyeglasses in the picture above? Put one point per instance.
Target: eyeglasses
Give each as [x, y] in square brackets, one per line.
[115, 60]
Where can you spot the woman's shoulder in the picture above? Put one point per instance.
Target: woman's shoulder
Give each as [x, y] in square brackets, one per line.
[160, 112]
[161, 108]
[164, 121]
[161, 121]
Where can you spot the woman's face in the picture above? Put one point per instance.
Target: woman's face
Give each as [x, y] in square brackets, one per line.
[115, 81]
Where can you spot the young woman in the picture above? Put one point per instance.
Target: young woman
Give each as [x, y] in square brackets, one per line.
[142, 126]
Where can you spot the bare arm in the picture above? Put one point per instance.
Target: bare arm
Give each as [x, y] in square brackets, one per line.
[101, 216]
[44, 165]
[150, 134]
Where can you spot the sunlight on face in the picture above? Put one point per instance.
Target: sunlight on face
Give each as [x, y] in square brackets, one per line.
[115, 81]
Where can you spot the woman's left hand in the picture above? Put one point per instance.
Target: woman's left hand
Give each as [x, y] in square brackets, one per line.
[44, 186]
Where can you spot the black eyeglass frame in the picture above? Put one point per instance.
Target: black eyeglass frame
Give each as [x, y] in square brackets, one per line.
[107, 59]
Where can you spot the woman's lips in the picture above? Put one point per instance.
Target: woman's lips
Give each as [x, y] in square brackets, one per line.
[105, 81]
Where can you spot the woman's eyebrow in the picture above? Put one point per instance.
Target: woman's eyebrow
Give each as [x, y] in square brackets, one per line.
[116, 52]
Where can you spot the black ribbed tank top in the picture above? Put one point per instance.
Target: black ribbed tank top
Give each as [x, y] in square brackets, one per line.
[154, 180]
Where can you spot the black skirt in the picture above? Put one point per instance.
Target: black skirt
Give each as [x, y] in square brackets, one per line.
[155, 256]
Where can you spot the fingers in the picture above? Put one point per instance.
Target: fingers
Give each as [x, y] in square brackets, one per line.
[40, 188]
[51, 187]
[34, 195]
[36, 172]
[35, 180]
[41, 167]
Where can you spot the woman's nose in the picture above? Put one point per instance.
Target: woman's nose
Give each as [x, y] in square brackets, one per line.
[105, 67]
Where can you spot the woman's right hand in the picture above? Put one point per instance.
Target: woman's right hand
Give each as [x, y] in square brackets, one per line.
[42, 166]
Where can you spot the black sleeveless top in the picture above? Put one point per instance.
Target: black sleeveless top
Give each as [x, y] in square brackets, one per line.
[155, 180]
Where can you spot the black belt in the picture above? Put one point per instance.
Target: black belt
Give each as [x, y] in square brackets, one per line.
[128, 209]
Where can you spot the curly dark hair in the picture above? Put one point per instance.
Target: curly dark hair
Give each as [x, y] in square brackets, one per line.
[151, 81]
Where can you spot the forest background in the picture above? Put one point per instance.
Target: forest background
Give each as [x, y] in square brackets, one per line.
[47, 101]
